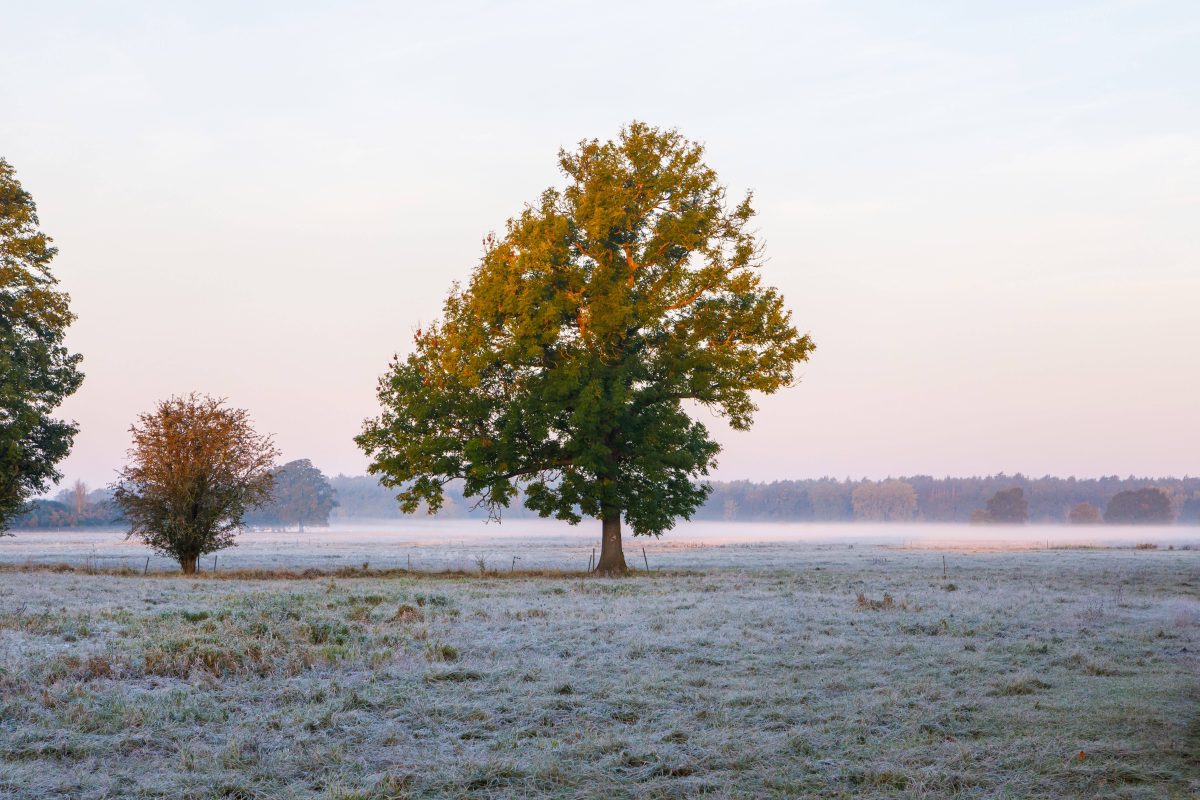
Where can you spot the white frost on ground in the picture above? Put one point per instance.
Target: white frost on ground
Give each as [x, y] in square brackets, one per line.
[432, 545]
[786, 670]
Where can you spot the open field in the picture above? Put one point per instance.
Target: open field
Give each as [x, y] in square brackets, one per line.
[788, 670]
[433, 545]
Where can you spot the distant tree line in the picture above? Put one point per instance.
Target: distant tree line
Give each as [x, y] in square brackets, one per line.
[303, 496]
[299, 495]
[74, 507]
[987, 498]
[917, 498]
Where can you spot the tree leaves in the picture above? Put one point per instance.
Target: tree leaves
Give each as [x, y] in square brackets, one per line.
[564, 363]
[36, 371]
[196, 467]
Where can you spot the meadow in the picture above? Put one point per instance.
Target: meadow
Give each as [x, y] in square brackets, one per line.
[780, 670]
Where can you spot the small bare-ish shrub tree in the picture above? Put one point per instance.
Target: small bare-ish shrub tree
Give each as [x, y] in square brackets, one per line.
[1084, 514]
[196, 467]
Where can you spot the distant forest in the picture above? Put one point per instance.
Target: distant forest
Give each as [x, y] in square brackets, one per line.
[920, 498]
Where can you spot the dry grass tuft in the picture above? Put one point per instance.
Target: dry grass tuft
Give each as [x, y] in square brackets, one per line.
[407, 613]
[1018, 685]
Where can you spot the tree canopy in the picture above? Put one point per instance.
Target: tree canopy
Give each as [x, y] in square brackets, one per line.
[889, 501]
[1146, 506]
[1084, 514]
[36, 371]
[564, 365]
[301, 495]
[1005, 507]
[196, 467]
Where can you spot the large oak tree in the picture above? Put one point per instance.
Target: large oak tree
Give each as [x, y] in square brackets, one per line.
[36, 371]
[567, 365]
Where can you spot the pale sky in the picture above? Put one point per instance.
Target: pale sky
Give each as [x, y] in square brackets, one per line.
[987, 214]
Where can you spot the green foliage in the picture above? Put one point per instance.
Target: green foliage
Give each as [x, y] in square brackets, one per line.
[564, 364]
[36, 371]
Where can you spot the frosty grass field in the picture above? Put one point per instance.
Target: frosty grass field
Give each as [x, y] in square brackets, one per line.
[785, 668]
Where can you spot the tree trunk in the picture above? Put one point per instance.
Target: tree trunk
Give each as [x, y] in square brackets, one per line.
[300, 526]
[188, 564]
[612, 557]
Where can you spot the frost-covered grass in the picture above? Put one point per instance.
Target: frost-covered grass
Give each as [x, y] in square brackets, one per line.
[836, 673]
